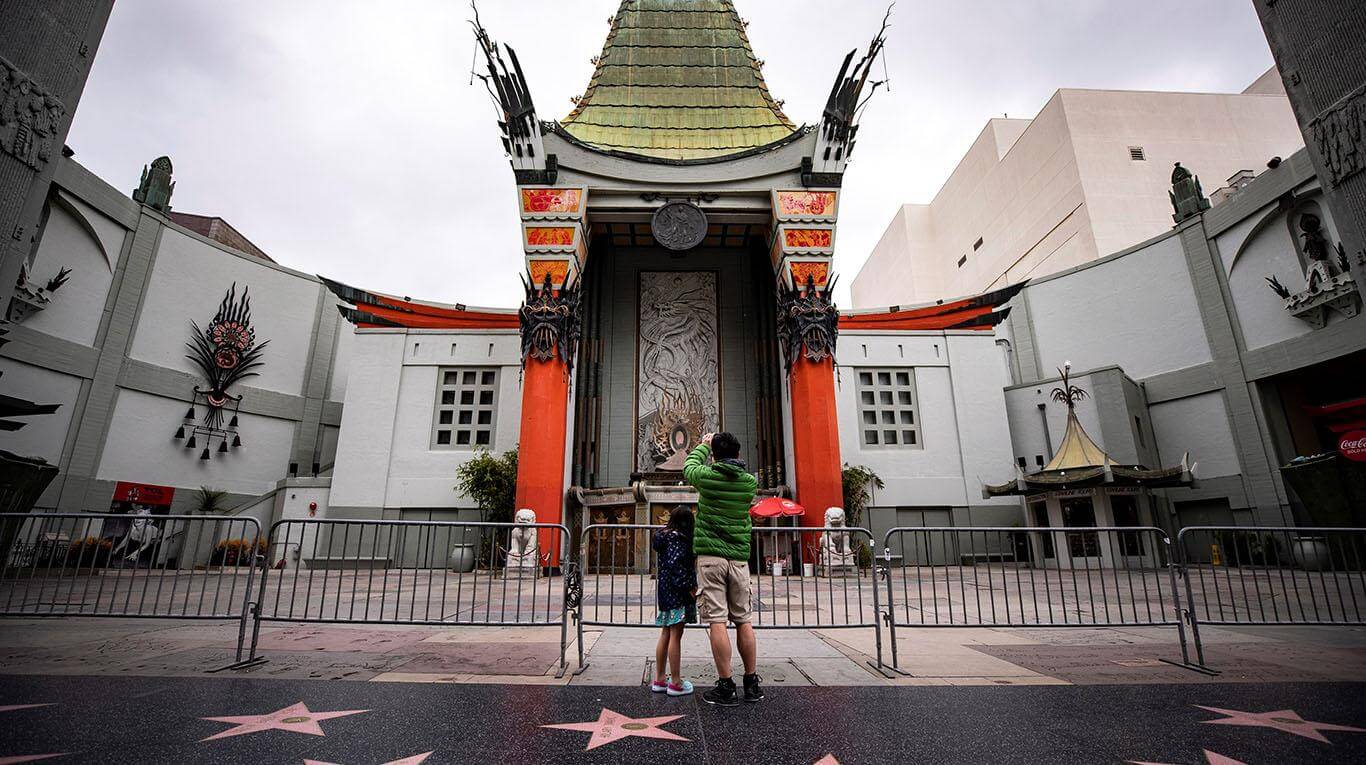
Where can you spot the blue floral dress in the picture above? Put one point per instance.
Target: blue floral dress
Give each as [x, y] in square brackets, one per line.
[675, 579]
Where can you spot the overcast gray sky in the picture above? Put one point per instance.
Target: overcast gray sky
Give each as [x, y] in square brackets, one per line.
[343, 137]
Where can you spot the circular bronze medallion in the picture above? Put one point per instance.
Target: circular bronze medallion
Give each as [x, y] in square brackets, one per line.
[679, 226]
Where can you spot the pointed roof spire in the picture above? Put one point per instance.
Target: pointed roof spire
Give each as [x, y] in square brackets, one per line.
[1077, 450]
[677, 80]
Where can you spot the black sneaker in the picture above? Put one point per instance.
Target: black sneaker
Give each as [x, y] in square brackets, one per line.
[752, 690]
[723, 694]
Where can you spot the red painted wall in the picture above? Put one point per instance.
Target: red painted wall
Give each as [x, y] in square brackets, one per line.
[541, 448]
[815, 443]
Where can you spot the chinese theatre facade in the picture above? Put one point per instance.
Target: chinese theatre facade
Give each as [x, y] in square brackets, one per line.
[678, 231]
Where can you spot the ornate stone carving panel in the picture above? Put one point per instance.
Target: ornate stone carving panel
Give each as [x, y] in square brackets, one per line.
[1340, 134]
[30, 118]
[678, 391]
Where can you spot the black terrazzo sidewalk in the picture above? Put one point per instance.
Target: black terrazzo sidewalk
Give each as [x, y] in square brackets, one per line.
[159, 720]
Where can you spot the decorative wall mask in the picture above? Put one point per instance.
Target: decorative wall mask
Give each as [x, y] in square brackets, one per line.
[1329, 284]
[808, 322]
[550, 321]
[226, 353]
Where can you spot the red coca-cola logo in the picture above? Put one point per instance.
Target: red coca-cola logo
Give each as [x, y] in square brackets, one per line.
[1353, 446]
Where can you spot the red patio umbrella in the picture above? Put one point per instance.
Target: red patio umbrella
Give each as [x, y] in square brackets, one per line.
[775, 507]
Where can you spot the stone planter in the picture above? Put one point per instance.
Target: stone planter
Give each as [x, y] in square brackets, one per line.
[1311, 553]
[462, 558]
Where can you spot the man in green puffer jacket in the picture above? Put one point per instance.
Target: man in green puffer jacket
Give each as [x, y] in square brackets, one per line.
[725, 491]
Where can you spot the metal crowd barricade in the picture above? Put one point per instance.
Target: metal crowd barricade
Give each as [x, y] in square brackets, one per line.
[830, 590]
[1273, 575]
[449, 573]
[136, 566]
[1030, 577]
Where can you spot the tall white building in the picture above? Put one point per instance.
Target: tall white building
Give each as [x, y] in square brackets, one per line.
[1085, 178]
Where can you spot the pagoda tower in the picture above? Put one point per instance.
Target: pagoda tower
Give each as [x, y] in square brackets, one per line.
[678, 231]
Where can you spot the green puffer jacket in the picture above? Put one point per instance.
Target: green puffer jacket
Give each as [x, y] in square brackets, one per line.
[725, 492]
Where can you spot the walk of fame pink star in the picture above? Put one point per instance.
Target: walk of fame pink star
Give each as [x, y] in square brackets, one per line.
[828, 759]
[13, 707]
[1210, 757]
[1283, 720]
[611, 726]
[295, 718]
[416, 759]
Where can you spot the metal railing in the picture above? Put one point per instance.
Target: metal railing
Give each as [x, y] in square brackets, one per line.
[507, 574]
[1030, 577]
[1272, 575]
[796, 582]
[448, 573]
[119, 565]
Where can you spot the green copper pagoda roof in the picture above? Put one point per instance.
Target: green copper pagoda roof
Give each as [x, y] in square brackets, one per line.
[677, 80]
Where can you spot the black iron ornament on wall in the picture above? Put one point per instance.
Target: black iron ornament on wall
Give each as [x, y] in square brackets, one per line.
[226, 353]
[808, 322]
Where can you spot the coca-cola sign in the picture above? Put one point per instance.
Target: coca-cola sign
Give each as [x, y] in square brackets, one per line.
[1353, 446]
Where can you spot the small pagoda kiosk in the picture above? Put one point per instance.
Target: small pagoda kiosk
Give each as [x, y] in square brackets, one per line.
[1082, 487]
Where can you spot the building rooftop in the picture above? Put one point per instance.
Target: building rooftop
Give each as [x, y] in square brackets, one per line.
[219, 230]
[677, 80]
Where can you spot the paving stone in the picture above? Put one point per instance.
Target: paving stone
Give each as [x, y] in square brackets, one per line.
[841, 671]
[483, 659]
[1141, 664]
[326, 638]
[612, 671]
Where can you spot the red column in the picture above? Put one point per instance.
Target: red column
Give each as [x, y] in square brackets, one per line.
[541, 450]
[815, 443]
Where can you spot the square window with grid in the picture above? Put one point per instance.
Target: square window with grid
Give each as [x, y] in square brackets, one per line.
[887, 408]
[466, 408]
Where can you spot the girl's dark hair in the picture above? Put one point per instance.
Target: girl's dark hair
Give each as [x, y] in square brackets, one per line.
[681, 520]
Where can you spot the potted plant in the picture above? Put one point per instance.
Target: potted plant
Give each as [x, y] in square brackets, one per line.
[492, 483]
[857, 484]
[89, 552]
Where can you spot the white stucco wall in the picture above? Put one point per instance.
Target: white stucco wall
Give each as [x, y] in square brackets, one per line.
[189, 280]
[43, 435]
[344, 340]
[76, 308]
[1214, 135]
[141, 448]
[1198, 425]
[1137, 311]
[1061, 190]
[385, 458]
[1260, 246]
[959, 405]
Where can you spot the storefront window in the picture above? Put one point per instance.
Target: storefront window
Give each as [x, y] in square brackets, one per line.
[1039, 511]
[1125, 507]
[1079, 512]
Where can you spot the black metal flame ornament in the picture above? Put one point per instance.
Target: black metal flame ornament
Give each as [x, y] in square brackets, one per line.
[226, 353]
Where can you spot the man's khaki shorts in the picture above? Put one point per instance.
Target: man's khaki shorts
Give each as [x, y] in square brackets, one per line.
[724, 590]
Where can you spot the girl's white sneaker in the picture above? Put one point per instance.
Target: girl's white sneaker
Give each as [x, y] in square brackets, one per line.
[680, 690]
[658, 687]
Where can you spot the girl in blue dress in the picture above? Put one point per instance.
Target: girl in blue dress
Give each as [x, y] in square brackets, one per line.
[676, 591]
